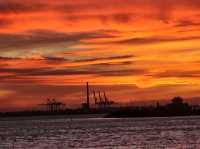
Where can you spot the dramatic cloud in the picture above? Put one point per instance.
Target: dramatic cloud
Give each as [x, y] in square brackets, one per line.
[40, 38]
[153, 40]
[5, 22]
[13, 6]
[19, 72]
[48, 46]
[187, 23]
[179, 74]
[106, 58]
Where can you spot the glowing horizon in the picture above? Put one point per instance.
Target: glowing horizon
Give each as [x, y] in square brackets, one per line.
[148, 49]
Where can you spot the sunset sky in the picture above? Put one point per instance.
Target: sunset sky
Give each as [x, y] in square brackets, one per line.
[136, 50]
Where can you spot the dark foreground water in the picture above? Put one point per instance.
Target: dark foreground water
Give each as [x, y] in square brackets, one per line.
[63, 133]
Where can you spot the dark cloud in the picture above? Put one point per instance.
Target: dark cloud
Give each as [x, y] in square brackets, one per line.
[62, 60]
[109, 69]
[104, 18]
[55, 60]
[122, 18]
[5, 22]
[40, 38]
[44, 58]
[8, 58]
[98, 5]
[106, 58]
[23, 72]
[125, 72]
[7, 7]
[116, 10]
[186, 23]
[152, 40]
[178, 74]
[164, 7]
[113, 64]
[98, 72]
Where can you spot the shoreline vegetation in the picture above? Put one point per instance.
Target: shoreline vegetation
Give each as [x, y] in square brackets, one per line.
[176, 108]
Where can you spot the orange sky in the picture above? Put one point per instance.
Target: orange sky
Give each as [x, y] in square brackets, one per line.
[136, 50]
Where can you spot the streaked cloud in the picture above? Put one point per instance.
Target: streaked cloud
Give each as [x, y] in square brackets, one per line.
[150, 48]
[16, 7]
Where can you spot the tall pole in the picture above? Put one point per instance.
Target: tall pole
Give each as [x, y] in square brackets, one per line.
[88, 96]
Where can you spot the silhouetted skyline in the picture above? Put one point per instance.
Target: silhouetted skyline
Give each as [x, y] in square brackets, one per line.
[135, 50]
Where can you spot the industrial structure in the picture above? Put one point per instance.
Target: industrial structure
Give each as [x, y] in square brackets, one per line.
[99, 102]
[102, 102]
[53, 106]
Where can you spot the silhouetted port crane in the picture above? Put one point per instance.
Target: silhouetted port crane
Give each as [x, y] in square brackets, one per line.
[107, 101]
[103, 102]
[53, 106]
[95, 98]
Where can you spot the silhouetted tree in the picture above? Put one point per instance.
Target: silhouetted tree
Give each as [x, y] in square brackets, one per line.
[178, 107]
[177, 100]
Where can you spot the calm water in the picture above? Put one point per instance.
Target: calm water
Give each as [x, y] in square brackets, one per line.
[62, 133]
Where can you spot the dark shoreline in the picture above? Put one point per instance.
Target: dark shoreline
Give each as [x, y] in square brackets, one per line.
[122, 113]
[176, 108]
[83, 116]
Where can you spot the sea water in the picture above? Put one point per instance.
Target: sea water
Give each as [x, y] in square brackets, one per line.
[100, 133]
